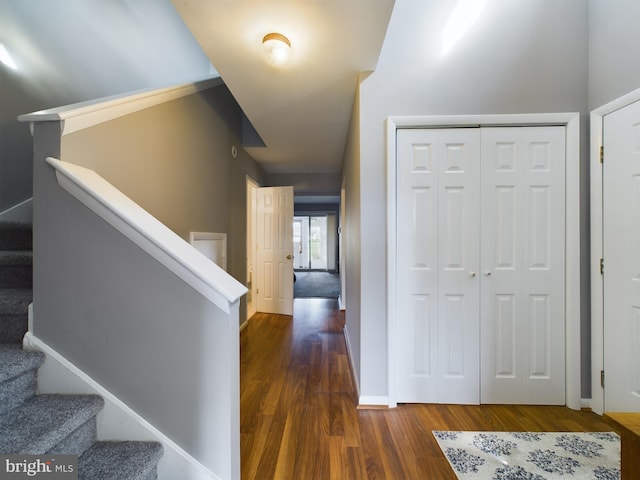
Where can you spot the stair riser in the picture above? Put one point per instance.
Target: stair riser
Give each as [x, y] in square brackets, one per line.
[17, 243]
[13, 328]
[153, 475]
[16, 390]
[79, 441]
[16, 276]
[15, 237]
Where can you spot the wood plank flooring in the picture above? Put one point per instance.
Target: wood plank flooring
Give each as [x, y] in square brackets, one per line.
[299, 415]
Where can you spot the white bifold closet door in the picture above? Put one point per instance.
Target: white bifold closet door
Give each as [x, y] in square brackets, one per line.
[480, 265]
[438, 214]
[522, 242]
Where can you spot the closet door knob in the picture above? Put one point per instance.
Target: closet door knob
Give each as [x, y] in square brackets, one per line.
[472, 274]
[487, 273]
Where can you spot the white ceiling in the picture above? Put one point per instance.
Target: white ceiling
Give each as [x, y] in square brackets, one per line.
[301, 111]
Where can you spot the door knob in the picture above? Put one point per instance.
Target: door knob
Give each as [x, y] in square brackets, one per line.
[472, 274]
[488, 273]
[288, 257]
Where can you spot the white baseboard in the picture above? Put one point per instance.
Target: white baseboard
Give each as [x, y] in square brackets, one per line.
[353, 368]
[341, 304]
[585, 403]
[116, 421]
[372, 400]
[244, 324]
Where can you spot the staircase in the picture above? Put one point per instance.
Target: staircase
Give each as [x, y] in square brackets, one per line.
[52, 423]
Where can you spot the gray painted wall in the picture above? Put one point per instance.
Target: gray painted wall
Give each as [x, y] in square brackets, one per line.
[131, 324]
[522, 56]
[307, 183]
[350, 240]
[175, 161]
[614, 49]
[68, 51]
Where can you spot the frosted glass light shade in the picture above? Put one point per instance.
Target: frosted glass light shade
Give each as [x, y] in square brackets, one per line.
[277, 48]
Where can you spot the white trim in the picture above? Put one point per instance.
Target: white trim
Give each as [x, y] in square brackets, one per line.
[244, 325]
[347, 341]
[585, 404]
[373, 400]
[116, 421]
[148, 233]
[79, 116]
[16, 212]
[572, 256]
[597, 285]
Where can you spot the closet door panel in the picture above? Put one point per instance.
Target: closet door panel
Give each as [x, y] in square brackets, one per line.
[523, 240]
[437, 261]
[501, 240]
[458, 280]
[417, 265]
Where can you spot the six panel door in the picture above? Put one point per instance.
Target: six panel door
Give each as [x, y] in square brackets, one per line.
[438, 248]
[523, 241]
[275, 250]
[621, 242]
[480, 265]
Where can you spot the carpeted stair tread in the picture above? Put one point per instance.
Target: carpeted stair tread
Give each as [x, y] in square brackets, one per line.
[120, 460]
[14, 361]
[16, 236]
[16, 257]
[45, 421]
[15, 301]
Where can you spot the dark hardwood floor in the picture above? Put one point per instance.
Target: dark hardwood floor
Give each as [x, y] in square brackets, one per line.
[299, 415]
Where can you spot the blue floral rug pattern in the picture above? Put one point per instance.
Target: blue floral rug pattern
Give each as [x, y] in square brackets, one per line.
[532, 455]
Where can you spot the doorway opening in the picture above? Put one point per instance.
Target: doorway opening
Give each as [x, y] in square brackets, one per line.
[313, 243]
[315, 256]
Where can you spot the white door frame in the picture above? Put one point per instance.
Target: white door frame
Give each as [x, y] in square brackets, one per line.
[250, 278]
[572, 259]
[597, 284]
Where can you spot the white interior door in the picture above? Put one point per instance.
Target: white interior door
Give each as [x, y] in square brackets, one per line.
[437, 289]
[275, 250]
[523, 242]
[480, 265]
[621, 245]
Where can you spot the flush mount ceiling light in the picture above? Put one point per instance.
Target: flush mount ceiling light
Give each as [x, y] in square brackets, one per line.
[277, 48]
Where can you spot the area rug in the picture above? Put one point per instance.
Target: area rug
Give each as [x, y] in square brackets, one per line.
[532, 455]
[316, 284]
